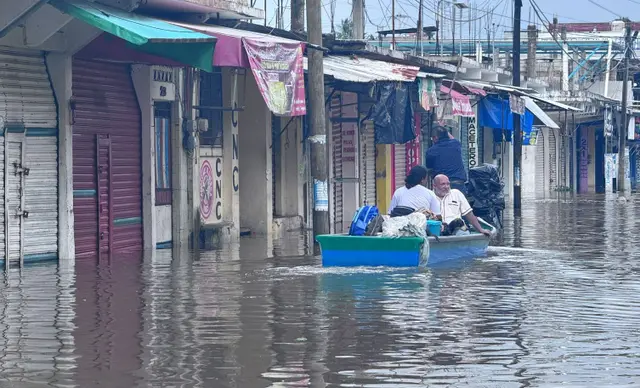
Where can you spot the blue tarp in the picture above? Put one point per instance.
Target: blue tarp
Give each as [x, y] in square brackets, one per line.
[495, 113]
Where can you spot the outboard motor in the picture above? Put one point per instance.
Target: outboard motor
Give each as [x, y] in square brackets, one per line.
[485, 192]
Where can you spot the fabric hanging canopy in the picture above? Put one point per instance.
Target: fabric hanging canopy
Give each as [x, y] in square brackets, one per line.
[494, 112]
[276, 64]
[147, 34]
[460, 103]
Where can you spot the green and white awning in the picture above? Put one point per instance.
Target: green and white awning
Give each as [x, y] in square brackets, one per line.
[147, 34]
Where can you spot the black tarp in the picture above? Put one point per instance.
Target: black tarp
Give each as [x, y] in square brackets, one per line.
[485, 191]
[392, 113]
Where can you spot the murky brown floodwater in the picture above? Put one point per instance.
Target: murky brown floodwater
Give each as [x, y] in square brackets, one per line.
[556, 306]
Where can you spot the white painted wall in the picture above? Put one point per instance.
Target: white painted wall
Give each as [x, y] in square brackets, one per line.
[614, 91]
[231, 150]
[254, 138]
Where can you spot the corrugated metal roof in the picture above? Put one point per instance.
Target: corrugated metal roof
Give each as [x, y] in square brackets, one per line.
[520, 91]
[356, 69]
[556, 104]
[422, 74]
[540, 114]
[212, 30]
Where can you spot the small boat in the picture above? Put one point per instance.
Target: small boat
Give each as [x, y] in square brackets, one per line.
[342, 250]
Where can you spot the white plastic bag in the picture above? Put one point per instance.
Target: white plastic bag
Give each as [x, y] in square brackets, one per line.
[415, 224]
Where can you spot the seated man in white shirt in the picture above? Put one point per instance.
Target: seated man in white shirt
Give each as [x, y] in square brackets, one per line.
[454, 205]
[413, 196]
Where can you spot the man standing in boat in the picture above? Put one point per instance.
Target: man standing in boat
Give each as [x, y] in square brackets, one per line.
[454, 205]
[444, 157]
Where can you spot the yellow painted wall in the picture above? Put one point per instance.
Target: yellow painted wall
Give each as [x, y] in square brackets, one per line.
[384, 164]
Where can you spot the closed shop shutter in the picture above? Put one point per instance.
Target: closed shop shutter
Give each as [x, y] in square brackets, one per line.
[464, 141]
[107, 123]
[637, 161]
[399, 164]
[480, 141]
[368, 164]
[336, 155]
[540, 155]
[28, 110]
[563, 162]
[553, 161]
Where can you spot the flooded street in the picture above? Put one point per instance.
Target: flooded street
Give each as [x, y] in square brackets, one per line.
[555, 303]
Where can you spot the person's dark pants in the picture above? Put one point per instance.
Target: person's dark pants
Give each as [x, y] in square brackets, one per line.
[459, 185]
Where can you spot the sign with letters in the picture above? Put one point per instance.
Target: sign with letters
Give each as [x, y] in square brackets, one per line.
[472, 136]
[211, 207]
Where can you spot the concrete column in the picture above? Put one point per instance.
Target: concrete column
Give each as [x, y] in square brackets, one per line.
[141, 75]
[565, 61]
[179, 181]
[231, 184]
[532, 44]
[256, 211]
[60, 70]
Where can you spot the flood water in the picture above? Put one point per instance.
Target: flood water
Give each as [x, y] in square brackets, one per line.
[555, 303]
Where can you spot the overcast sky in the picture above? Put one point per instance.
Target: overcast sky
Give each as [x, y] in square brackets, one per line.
[379, 13]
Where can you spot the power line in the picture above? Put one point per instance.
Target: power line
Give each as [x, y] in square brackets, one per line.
[604, 8]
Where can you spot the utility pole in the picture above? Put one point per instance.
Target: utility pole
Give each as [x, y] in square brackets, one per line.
[420, 48]
[517, 129]
[358, 19]
[318, 131]
[297, 16]
[532, 40]
[393, 24]
[624, 125]
[438, 27]
[607, 73]
[453, 32]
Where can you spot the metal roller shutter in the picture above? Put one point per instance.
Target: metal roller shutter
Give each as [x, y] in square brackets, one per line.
[29, 113]
[107, 123]
[399, 164]
[563, 161]
[368, 164]
[480, 142]
[464, 141]
[540, 155]
[553, 161]
[336, 155]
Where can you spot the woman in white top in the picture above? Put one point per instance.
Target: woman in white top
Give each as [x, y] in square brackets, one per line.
[413, 195]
